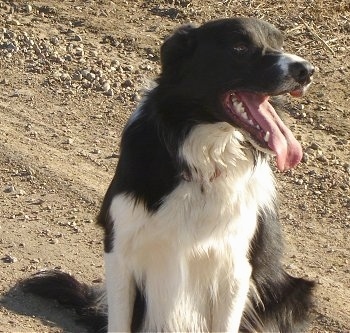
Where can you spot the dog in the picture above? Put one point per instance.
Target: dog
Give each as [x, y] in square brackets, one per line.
[192, 239]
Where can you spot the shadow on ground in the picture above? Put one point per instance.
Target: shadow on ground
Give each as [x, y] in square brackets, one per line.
[49, 312]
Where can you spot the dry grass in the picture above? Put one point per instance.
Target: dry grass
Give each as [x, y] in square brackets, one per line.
[324, 24]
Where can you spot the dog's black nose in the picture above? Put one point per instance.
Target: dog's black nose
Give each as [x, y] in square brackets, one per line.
[301, 71]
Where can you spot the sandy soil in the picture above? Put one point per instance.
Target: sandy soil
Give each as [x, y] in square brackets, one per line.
[71, 72]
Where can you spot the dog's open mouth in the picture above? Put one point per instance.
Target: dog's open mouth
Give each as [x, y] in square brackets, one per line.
[262, 127]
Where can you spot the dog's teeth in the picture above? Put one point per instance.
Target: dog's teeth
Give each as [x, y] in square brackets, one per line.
[258, 127]
[239, 106]
[267, 136]
[251, 122]
[244, 115]
[242, 109]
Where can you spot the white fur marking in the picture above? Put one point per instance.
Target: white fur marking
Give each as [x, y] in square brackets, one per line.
[191, 255]
[286, 59]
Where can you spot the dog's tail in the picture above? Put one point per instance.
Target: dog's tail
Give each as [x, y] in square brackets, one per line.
[282, 306]
[87, 301]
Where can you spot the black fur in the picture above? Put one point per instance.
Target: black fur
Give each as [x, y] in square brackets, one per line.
[194, 75]
[279, 291]
[69, 292]
[198, 66]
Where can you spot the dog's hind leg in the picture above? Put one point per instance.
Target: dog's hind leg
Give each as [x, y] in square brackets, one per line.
[283, 302]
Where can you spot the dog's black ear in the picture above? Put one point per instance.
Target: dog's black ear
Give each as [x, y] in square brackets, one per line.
[177, 48]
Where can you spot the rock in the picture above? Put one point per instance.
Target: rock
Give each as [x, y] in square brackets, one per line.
[110, 92]
[128, 68]
[9, 189]
[21, 192]
[66, 77]
[79, 52]
[98, 280]
[305, 158]
[54, 40]
[9, 259]
[85, 72]
[115, 63]
[322, 158]
[90, 76]
[69, 141]
[77, 77]
[57, 75]
[28, 8]
[94, 53]
[106, 87]
[13, 22]
[314, 146]
[127, 84]
[77, 38]
[48, 10]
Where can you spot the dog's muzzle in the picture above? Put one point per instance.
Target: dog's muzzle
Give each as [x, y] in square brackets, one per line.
[301, 71]
[295, 74]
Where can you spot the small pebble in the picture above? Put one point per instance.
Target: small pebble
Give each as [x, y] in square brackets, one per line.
[28, 8]
[9, 259]
[90, 76]
[9, 189]
[69, 141]
[305, 158]
[77, 77]
[106, 86]
[21, 192]
[127, 83]
[54, 40]
[110, 92]
[94, 53]
[79, 52]
[314, 146]
[77, 38]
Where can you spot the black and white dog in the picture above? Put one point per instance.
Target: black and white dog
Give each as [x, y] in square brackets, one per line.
[192, 238]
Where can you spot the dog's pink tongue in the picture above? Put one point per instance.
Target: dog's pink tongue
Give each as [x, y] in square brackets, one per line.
[281, 141]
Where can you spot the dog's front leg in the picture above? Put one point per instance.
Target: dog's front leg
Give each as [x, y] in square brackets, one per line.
[120, 293]
[231, 300]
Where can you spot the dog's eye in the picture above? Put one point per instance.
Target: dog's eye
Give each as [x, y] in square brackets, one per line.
[240, 48]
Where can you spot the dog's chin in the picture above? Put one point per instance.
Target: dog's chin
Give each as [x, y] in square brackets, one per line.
[300, 91]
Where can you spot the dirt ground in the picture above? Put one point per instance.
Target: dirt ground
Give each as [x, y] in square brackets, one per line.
[71, 72]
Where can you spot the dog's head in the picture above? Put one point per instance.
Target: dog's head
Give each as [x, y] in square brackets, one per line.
[234, 66]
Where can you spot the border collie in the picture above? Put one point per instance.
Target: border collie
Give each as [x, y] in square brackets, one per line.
[192, 238]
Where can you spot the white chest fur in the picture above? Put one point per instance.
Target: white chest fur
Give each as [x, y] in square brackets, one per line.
[190, 257]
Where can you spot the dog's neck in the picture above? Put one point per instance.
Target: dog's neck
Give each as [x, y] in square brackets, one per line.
[213, 151]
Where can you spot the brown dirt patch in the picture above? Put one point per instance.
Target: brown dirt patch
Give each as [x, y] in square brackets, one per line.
[71, 72]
